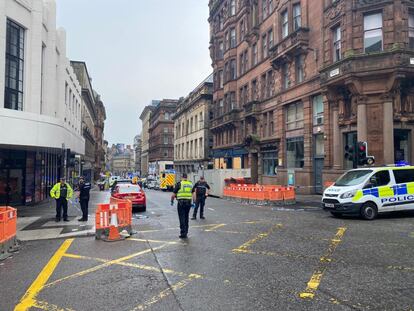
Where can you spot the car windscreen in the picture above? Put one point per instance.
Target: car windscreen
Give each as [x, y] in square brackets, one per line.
[352, 178]
[129, 189]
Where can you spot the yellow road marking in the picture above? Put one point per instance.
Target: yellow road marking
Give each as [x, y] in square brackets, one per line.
[165, 293]
[247, 251]
[401, 268]
[127, 264]
[259, 237]
[153, 241]
[29, 298]
[316, 278]
[104, 265]
[44, 305]
[215, 227]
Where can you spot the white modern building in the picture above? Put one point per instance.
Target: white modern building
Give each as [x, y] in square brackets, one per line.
[40, 102]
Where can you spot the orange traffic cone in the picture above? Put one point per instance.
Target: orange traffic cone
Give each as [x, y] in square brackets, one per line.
[113, 230]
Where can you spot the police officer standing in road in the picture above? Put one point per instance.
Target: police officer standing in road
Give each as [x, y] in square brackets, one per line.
[62, 191]
[200, 191]
[84, 189]
[183, 193]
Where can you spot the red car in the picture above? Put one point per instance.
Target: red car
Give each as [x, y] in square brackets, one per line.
[133, 193]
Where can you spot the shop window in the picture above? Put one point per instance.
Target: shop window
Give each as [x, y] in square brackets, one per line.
[402, 145]
[295, 152]
[270, 162]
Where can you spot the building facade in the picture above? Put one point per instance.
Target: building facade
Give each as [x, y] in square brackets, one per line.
[100, 148]
[161, 136]
[89, 119]
[39, 121]
[145, 135]
[192, 129]
[137, 151]
[297, 81]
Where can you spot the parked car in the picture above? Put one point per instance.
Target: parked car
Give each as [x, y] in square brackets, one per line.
[134, 193]
[151, 184]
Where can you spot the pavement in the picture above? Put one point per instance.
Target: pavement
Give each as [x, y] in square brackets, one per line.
[241, 257]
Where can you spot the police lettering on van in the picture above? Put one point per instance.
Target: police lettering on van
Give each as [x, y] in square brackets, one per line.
[369, 191]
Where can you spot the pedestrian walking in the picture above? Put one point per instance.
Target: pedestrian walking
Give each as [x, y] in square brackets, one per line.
[61, 191]
[200, 191]
[183, 193]
[84, 189]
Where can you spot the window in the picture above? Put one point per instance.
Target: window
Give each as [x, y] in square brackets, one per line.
[242, 31]
[270, 4]
[402, 145]
[294, 116]
[285, 24]
[285, 76]
[221, 106]
[296, 17]
[270, 162]
[299, 69]
[411, 30]
[254, 54]
[233, 100]
[221, 79]
[373, 33]
[254, 90]
[263, 87]
[165, 140]
[232, 7]
[319, 145]
[232, 38]
[317, 103]
[165, 129]
[337, 44]
[246, 61]
[403, 175]
[220, 50]
[166, 116]
[294, 152]
[380, 179]
[270, 39]
[233, 69]
[13, 93]
[264, 8]
[241, 63]
[264, 47]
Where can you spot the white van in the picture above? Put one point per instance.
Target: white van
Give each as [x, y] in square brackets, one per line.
[371, 190]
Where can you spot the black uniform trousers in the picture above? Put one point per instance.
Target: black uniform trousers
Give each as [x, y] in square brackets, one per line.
[200, 202]
[183, 208]
[61, 203]
[84, 207]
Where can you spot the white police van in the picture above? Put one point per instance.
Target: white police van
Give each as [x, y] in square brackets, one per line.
[371, 190]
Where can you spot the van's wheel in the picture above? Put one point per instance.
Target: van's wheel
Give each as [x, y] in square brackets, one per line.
[369, 211]
[337, 215]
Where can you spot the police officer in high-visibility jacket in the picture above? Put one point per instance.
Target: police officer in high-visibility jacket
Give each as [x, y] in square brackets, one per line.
[183, 193]
[62, 192]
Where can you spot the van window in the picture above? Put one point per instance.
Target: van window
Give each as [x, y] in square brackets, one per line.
[404, 175]
[381, 178]
[352, 178]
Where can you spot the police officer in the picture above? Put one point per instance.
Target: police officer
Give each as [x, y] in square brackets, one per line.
[200, 190]
[84, 189]
[183, 193]
[62, 191]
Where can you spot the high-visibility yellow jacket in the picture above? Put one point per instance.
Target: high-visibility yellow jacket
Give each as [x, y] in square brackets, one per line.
[55, 192]
[185, 191]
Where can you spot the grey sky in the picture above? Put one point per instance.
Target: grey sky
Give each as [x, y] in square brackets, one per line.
[136, 51]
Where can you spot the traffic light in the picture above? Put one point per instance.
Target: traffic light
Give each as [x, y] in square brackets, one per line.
[362, 155]
[349, 153]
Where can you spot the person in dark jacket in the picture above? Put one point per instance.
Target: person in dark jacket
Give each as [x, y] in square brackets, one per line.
[84, 189]
[200, 191]
[183, 193]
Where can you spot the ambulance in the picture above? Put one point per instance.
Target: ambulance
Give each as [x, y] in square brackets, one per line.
[167, 180]
[371, 190]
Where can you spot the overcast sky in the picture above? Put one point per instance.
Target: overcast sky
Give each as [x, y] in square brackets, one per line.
[136, 51]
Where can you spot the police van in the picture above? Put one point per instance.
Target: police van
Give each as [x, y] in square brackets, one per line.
[371, 190]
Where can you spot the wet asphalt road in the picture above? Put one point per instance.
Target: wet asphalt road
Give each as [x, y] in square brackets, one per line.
[240, 258]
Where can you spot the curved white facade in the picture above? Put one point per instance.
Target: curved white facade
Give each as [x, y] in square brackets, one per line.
[51, 113]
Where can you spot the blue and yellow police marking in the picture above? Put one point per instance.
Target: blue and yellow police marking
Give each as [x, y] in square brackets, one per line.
[384, 192]
[313, 284]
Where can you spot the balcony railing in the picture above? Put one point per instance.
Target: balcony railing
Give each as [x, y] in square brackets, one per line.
[289, 46]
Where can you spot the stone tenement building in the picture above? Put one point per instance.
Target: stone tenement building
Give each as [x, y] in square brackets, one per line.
[297, 80]
[161, 136]
[192, 133]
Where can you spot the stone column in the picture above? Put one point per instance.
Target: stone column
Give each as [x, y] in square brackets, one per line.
[336, 138]
[362, 120]
[388, 132]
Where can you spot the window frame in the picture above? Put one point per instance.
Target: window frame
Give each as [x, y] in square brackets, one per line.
[298, 121]
[337, 43]
[296, 19]
[299, 162]
[366, 31]
[285, 23]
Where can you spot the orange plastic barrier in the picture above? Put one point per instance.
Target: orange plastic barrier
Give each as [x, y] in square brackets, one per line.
[327, 184]
[8, 220]
[289, 194]
[104, 212]
[276, 196]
